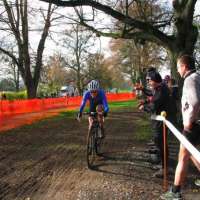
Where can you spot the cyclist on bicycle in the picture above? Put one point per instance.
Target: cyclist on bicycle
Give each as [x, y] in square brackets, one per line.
[97, 103]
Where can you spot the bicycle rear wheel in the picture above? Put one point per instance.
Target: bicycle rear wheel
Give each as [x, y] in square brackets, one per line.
[91, 152]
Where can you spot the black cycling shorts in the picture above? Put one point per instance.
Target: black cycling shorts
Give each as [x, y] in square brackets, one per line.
[193, 135]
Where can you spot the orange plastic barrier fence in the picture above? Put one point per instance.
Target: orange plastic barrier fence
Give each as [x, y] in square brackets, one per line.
[37, 105]
[120, 96]
[29, 106]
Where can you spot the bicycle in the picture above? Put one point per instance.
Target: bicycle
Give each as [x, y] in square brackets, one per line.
[94, 140]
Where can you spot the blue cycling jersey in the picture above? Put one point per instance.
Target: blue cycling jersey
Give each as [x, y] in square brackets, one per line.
[100, 99]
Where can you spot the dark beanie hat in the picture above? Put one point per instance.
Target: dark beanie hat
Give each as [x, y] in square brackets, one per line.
[151, 69]
[154, 76]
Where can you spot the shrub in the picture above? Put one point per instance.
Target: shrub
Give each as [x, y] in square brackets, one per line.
[16, 95]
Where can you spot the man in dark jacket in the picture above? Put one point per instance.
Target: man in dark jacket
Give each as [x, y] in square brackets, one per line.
[159, 102]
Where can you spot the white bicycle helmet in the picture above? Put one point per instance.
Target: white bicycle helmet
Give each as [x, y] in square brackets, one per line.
[93, 85]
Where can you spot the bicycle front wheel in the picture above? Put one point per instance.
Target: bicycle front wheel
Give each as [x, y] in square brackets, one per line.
[91, 149]
[98, 141]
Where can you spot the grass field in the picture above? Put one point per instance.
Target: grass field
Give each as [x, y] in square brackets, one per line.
[142, 125]
[114, 106]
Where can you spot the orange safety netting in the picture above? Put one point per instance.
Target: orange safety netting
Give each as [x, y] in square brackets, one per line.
[120, 97]
[30, 106]
[19, 112]
[36, 105]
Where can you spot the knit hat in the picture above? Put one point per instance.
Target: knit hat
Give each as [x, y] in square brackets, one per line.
[154, 76]
[151, 69]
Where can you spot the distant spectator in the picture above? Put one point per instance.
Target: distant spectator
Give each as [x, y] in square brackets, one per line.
[173, 87]
[167, 78]
[174, 98]
[3, 96]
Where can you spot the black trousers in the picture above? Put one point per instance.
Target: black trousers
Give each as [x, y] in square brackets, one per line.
[194, 134]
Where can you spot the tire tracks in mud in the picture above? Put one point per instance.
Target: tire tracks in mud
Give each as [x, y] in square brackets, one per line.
[44, 171]
[64, 177]
[58, 170]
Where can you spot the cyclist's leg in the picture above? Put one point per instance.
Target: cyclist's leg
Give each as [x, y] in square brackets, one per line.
[90, 120]
[90, 145]
[100, 114]
[101, 118]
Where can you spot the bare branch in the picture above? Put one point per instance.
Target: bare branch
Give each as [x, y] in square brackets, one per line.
[9, 54]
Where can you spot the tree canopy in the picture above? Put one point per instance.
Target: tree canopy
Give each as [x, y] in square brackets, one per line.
[171, 28]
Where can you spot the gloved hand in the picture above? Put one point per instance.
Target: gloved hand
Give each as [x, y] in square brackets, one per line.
[105, 114]
[138, 86]
[141, 102]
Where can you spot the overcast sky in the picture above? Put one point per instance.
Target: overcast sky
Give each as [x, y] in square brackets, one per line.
[102, 43]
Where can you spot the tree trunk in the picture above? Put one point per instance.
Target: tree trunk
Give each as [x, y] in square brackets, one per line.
[17, 82]
[30, 86]
[173, 59]
[18, 22]
[31, 91]
[78, 82]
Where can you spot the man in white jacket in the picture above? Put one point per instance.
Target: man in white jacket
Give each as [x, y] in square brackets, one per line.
[190, 102]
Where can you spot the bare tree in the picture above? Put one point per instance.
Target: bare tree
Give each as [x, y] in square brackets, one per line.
[98, 68]
[54, 74]
[174, 30]
[16, 32]
[15, 75]
[10, 70]
[78, 43]
[134, 60]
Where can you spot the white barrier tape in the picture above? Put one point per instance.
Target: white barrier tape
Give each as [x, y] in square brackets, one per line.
[181, 137]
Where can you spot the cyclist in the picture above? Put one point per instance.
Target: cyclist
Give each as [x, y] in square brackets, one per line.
[97, 103]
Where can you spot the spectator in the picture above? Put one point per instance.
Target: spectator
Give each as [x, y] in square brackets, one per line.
[167, 78]
[191, 129]
[174, 100]
[147, 95]
[146, 90]
[159, 102]
[3, 96]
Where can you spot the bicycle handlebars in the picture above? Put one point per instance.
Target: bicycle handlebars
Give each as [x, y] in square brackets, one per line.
[93, 113]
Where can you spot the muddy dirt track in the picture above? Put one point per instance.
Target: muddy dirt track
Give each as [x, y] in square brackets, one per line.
[47, 162]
